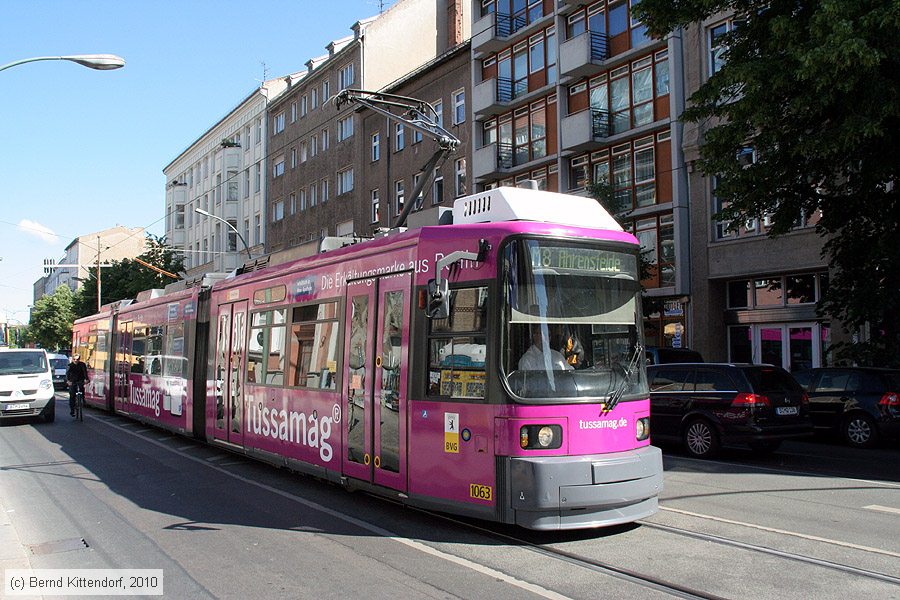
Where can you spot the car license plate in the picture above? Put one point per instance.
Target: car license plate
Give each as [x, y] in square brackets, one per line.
[786, 410]
[17, 406]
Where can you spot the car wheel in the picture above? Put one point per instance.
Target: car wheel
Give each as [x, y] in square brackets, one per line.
[700, 439]
[765, 446]
[50, 412]
[860, 431]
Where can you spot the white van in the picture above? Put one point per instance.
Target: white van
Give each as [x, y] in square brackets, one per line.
[26, 384]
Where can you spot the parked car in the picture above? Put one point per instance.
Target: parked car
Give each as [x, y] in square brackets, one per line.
[707, 405]
[59, 363]
[26, 384]
[656, 356]
[861, 404]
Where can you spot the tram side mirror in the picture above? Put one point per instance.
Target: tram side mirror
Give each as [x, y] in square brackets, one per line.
[438, 306]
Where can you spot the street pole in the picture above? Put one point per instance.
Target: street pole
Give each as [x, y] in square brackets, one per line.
[200, 211]
[98, 274]
[100, 62]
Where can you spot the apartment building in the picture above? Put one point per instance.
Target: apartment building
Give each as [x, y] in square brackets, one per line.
[753, 298]
[396, 154]
[115, 243]
[571, 93]
[223, 173]
[317, 150]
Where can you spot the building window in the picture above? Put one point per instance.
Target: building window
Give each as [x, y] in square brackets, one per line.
[459, 177]
[279, 123]
[376, 207]
[258, 178]
[313, 195]
[304, 151]
[345, 76]
[399, 141]
[278, 212]
[345, 181]
[246, 183]
[521, 135]
[399, 196]
[278, 169]
[292, 204]
[313, 146]
[259, 130]
[314, 99]
[324, 140]
[293, 158]
[302, 200]
[326, 91]
[258, 224]
[439, 113]
[293, 111]
[345, 128]
[417, 178]
[304, 105]
[437, 188]
[718, 47]
[326, 191]
[376, 146]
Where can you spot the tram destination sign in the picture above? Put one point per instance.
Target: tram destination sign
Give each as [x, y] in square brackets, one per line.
[586, 260]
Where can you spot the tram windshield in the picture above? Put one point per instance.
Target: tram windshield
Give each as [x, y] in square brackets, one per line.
[572, 323]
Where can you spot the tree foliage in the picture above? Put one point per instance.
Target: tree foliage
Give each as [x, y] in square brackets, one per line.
[125, 278]
[812, 86]
[51, 320]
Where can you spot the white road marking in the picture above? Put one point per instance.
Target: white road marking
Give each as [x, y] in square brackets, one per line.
[886, 509]
[804, 536]
[424, 548]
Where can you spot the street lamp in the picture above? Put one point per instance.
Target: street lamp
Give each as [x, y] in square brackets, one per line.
[233, 228]
[100, 62]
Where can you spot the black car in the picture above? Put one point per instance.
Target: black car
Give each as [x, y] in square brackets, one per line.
[861, 404]
[706, 405]
[658, 356]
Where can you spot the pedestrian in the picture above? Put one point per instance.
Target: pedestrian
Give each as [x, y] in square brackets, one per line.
[77, 376]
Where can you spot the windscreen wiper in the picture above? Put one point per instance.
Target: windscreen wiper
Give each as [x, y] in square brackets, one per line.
[630, 370]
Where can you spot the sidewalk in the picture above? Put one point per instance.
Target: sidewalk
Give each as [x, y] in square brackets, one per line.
[12, 553]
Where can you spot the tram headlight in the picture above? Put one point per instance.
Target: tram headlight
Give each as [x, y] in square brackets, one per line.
[540, 437]
[642, 429]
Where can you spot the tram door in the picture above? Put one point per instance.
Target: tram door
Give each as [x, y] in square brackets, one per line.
[375, 363]
[122, 368]
[228, 376]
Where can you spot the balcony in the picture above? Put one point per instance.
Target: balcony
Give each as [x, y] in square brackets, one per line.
[493, 96]
[582, 54]
[492, 160]
[572, 3]
[494, 32]
[583, 129]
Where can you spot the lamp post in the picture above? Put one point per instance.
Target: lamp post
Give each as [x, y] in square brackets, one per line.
[232, 227]
[100, 62]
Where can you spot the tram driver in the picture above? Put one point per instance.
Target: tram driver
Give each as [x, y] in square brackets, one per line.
[540, 356]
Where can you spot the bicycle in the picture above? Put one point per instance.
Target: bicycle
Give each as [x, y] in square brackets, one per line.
[79, 405]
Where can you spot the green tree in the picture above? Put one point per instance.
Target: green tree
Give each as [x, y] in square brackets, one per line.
[125, 278]
[51, 320]
[812, 87]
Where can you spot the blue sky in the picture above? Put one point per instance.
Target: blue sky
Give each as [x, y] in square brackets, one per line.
[83, 150]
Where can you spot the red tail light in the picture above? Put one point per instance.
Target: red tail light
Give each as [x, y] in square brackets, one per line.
[804, 399]
[747, 400]
[890, 399]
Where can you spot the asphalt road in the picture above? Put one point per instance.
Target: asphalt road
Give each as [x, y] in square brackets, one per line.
[814, 520]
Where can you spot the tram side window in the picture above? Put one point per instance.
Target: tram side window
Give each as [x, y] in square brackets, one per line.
[139, 350]
[174, 361]
[314, 346]
[457, 346]
[265, 354]
[154, 350]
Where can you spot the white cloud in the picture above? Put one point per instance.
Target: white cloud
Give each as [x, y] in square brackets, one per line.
[39, 231]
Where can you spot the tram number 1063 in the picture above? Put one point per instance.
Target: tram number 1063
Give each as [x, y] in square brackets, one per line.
[481, 492]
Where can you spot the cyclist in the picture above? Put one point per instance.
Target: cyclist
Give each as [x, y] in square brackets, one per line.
[77, 376]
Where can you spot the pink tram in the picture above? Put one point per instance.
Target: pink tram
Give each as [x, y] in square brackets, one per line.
[492, 367]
